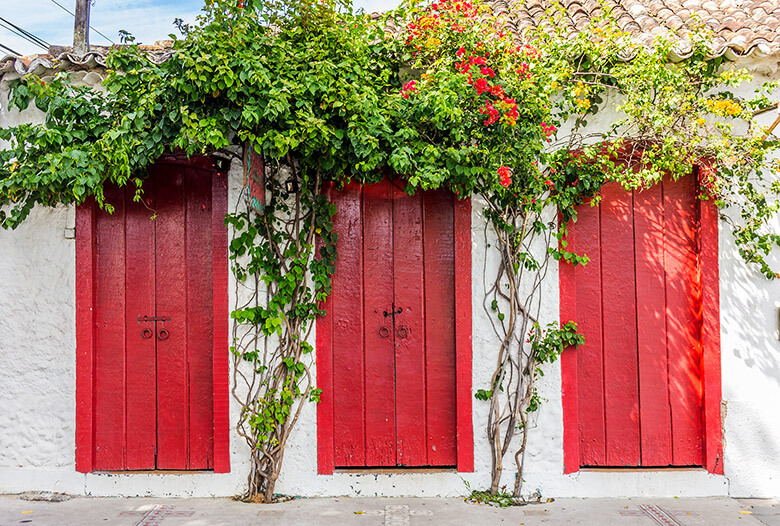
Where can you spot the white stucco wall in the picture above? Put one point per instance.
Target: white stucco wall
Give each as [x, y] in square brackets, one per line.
[37, 387]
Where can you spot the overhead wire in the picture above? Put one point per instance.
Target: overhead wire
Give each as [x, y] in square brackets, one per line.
[23, 33]
[10, 50]
[74, 16]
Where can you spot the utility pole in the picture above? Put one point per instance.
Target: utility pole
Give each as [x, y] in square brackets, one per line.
[81, 28]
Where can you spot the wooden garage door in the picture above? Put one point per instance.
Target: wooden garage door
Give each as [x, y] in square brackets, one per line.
[154, 325]
[638, 304]
[393, 328]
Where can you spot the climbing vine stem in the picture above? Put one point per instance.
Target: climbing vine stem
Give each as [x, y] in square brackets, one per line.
[279, 285]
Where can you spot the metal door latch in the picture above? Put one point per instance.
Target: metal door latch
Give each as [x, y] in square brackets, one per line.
[153, 318]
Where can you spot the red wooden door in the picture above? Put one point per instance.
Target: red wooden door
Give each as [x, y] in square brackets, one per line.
[153, 379]
[393, 328]
[638, 304]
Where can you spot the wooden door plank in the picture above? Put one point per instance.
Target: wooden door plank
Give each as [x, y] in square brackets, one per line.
[710, 336]
[347, 312]
[585, 239]
[172, 398]
[379, 353]
[463, 340]
[141, 366]
[200, 316]
[410, 338]
[683, 310]
[86, 281]
[569, 356]
[110, 334]
[439, 258]
[220, 352]
[621, 388]
[655, 417]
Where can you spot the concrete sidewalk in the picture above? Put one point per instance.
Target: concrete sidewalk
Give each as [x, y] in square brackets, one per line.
[385, 511]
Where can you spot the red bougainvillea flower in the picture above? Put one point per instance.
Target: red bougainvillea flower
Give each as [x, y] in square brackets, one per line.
[481, 86]
[498, 91]
[409, 87]
[487, 71]
[490, 111]
[522, 70]
[460, 51]
[530, 51]
[549, 183]
[505, 175]
[548, 129]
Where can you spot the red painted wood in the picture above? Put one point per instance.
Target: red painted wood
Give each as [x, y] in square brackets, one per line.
[590, 358]
[110, 335]
[173, 418]
[655, 422]
[379, 350]
[439, 293]
[127, 432]
[676, 266]
[347, 304]
[200, 313]
[463, 350]
[400, 377]
[85, 335]
[568, 312]
[409, 350]
[683, 304]
[220, 353]
[710, 337]
[141, 412]
[621, 396]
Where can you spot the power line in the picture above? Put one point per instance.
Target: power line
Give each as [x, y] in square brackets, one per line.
[20, 35]
[23, 33]
[11, 50]
[73, 15]
[27, 34]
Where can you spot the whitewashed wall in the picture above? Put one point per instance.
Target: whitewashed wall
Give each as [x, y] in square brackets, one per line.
[37, 386]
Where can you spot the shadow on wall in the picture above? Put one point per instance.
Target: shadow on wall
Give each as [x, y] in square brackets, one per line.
[749, 312]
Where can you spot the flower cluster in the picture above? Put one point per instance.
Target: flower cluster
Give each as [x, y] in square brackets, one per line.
[482, 85]
[505, 176]
[445, 14]
[724, 108]
[548, 130]
[708, 182]
[409, 87]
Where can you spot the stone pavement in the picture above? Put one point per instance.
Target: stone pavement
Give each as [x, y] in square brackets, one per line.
[384, 511]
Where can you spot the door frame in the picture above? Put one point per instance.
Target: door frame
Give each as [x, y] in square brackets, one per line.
[85, 321]
[463, 356]
[710, 340]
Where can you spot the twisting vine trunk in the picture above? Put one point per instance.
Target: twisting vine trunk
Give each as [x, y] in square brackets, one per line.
[279, 284]
[525, 244]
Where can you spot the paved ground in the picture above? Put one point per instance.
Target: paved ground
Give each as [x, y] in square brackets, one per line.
[390, 512]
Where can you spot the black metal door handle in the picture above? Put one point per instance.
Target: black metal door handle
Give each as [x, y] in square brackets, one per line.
[402, 332]
[146, 333]
[163, 334]
[384, 331]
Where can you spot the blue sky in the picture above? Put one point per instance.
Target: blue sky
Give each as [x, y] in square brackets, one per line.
[147, 20]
